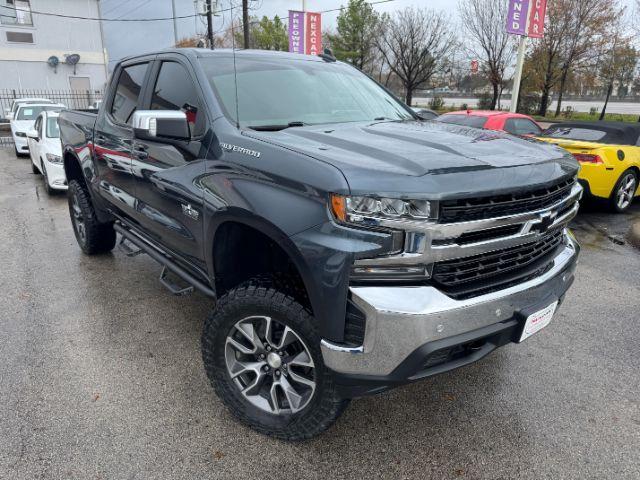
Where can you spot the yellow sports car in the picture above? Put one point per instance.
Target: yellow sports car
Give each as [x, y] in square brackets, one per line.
[609, 156]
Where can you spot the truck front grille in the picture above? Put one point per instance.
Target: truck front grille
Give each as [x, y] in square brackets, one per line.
[472, 276]
[502, 205]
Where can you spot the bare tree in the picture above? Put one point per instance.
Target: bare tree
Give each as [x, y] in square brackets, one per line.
[484, 21]
[416, 46]
[585, 28]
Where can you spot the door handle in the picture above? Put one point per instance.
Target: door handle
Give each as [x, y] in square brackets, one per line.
[140, 151]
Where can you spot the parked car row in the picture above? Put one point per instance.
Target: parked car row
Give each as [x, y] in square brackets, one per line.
[35, 132]
[608, 152]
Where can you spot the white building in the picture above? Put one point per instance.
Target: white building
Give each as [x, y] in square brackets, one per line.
[31, 42]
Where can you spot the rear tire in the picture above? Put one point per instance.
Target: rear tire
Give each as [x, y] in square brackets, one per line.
[624, 192]
[269, 404]
[93, 237]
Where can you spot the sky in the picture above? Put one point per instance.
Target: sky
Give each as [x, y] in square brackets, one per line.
[124, 39]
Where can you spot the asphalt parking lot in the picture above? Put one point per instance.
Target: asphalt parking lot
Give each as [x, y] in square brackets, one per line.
[101, 376]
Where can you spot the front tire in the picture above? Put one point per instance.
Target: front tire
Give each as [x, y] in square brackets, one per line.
[34, 169]
[261, 352]
[45, 178]
[93, 237]
[624, 192]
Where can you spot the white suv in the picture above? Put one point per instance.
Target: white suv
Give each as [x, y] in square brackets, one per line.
[23, 120]
[46, 151]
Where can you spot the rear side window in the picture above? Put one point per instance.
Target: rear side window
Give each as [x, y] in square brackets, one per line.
[465, 120]
[128, 90]
[175, 90]
[521, 126]
[584, 134]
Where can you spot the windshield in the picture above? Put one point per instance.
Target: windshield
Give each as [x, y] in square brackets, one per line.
[32, 112]
[53, 131]
[466, 120]
[279, 90]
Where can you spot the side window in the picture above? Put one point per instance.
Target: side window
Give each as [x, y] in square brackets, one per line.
[521, 126]
[128, 90]
[175, 90]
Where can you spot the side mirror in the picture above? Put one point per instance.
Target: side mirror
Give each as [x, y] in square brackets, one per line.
[33, 134]
[161, 124]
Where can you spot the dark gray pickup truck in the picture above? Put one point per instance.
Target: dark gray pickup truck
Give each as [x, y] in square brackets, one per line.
[348, 246]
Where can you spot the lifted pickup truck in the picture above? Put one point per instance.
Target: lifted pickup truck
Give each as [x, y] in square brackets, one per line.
[349, 246]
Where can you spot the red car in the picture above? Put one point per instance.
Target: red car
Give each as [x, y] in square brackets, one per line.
[515, 123]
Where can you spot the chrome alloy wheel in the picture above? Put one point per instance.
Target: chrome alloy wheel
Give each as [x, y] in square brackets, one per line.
[270, 364]
[78, 218]
[626, 191]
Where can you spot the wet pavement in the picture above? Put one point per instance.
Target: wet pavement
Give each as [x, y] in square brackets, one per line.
[101, 376]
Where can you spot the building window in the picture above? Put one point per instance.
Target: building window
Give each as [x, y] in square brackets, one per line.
[19, 37]
[15, 12]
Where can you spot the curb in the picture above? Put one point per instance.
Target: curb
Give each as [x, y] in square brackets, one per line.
[634, 234]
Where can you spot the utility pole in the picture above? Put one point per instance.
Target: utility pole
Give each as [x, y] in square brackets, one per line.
[175, 22]
[210, 24]
[245, 23]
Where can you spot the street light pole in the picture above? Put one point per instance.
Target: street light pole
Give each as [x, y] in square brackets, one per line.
[210, 24]
[245, 23]
[517, 79]
[175, 22]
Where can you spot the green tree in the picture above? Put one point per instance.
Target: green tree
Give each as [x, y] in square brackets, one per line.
[356, 32]
[266, 34]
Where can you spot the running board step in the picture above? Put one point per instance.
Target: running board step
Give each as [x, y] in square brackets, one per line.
[166, 261]
[174, 288]
[124, 247]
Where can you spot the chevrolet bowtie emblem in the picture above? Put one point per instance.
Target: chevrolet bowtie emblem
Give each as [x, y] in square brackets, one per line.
[546, 220]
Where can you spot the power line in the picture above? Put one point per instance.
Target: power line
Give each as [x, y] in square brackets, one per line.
[49, 14]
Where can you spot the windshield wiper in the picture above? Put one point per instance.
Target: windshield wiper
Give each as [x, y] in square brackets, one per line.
[276, 128]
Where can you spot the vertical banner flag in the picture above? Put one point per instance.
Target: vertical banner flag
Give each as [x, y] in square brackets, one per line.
[517, 16]
[296, 31]
[474, 66]
[536, 18]
[305, 32]
[313, 38]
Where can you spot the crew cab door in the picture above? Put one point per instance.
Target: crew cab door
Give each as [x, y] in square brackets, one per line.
[167, 171]
[113, 137]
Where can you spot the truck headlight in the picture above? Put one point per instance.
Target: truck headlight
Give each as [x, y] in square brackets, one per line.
[370, 210]
[54, 158]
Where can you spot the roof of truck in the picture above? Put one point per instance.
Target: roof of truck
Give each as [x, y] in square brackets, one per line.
[205, 52]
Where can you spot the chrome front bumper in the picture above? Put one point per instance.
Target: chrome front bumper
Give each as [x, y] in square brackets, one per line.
[399, 320]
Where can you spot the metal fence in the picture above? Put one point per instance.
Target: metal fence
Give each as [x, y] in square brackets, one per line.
[71, 98]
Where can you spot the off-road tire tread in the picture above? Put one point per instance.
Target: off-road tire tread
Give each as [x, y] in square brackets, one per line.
[326, 407]
[101, 237]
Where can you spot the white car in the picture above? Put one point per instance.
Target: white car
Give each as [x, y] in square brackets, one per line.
[23, 120]
[45, 150]
[11, 111]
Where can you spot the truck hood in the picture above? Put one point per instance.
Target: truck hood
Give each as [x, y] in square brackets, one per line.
[429, 159]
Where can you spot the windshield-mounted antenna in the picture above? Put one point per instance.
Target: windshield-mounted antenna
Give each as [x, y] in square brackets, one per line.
[235, 70]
